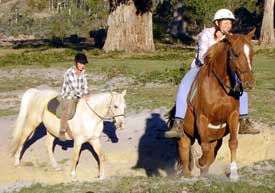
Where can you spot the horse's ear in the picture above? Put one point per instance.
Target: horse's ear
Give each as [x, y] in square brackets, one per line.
[123, 92]
[251, 34]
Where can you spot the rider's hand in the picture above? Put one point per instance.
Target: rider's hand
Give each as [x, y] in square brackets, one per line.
[86, 98]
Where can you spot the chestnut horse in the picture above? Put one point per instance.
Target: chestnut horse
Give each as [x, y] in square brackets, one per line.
[213, 102]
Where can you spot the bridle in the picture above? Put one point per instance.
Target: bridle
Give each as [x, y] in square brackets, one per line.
[108, 112]
[238, 88]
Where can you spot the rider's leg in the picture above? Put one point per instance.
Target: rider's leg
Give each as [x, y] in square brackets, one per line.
[181, 103]
[246, 126]
[66, 110]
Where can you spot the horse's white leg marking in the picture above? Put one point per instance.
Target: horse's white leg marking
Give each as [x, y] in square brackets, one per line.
[246, 51]
[77, 147]
[49, 146]
[101, 158]
[234, 176]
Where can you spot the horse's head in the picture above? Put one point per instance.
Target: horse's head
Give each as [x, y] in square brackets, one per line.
[117, 109]
[240, 58]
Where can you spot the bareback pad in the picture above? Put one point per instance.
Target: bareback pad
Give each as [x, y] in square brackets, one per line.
[55, 106]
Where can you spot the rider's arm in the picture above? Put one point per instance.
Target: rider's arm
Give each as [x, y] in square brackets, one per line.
[203, 45]
[85, 85]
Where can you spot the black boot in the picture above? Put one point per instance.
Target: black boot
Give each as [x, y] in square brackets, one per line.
[246, 127]
[176, 130]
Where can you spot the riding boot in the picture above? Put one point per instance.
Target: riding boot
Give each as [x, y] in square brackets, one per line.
[246, 127]
[176, 130]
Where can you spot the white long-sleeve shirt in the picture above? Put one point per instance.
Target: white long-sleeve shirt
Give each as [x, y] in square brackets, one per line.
[206, 39]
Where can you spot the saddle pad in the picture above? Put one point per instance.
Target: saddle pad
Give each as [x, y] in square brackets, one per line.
[55, 106]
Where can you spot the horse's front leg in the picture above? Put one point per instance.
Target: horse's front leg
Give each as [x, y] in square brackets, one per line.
[202, 123]
[184, 147]
[77, 147]
[49, 146]
[233, 123]
[95, 143]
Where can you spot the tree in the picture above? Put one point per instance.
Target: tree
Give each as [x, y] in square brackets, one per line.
[267, 30]
[130, 26]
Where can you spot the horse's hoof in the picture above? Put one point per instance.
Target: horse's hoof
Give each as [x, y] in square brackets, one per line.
[199, 166]
[234, 177]
[16, 163]
[73, 175]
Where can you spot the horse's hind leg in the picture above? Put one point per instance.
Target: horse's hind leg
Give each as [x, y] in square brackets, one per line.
[97, 148]
[184, 148]
[49, 145]
[77, 147]
[26, 132]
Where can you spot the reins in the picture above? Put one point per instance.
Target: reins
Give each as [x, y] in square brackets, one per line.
[228, 89]
[222, 83]
[109, 110]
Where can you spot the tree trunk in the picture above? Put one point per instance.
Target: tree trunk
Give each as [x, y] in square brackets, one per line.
[267, 30]
[129, 31]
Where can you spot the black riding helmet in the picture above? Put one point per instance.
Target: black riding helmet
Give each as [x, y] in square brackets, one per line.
[81, 58]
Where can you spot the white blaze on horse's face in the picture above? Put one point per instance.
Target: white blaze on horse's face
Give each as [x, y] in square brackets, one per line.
[246, 51]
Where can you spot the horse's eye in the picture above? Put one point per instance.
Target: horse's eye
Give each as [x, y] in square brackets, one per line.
[236, 55]
[115, 106]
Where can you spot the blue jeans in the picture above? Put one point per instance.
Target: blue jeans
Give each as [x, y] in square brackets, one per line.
[184, 88]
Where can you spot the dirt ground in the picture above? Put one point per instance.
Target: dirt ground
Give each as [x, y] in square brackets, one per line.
[138, 150]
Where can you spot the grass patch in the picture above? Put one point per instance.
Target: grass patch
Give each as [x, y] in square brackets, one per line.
[8, 112]
[258, 178]
[261, 100]
[39, 57]
[140, 97]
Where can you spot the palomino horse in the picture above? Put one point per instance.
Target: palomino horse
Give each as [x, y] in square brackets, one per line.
[85, 126]
[213, 109]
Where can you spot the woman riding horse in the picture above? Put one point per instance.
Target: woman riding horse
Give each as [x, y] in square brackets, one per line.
[222, 20]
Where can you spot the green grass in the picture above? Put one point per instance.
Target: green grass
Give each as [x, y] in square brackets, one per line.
[261, 100]
[258, 178]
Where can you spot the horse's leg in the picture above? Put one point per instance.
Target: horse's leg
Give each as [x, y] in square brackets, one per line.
[233, 123]
[202, 123]
[49, 146]
[77, 147]
[214, 147]
[26, 132]
[184, 145]
[97, 148]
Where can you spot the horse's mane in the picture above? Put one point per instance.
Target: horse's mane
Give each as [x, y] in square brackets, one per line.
[215, 51]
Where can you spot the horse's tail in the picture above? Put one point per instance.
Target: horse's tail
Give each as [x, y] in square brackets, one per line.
[171, 117]
[21, 119]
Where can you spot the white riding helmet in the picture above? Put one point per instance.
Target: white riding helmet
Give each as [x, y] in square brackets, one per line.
[223, 14]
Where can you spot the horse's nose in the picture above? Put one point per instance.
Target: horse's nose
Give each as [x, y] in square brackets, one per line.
[249, 85]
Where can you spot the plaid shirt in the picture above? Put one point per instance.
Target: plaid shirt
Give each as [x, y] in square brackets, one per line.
[74, 87]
